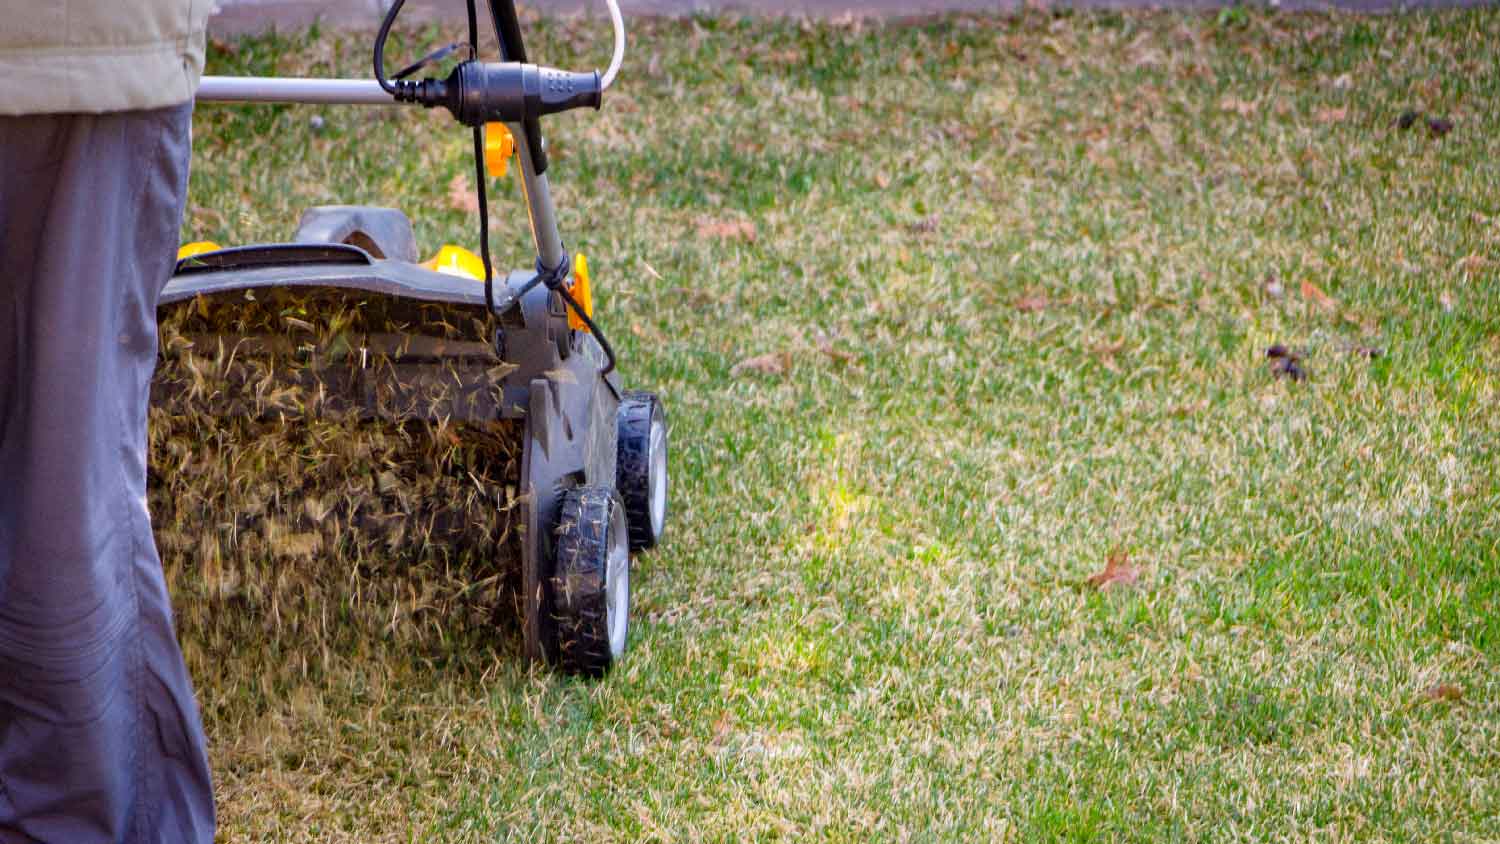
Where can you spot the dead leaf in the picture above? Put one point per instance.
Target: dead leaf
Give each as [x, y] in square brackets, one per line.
[1315, 296]
[727, 229]
[926, 225]
[1331, 115]
[1286, 362]
[1243, 108]
[1443, 691]
[461, 195]
[825, 345]
[1106, 353]
[1117, 572]
[1031, 303]
[774, 363]
[1472, 263]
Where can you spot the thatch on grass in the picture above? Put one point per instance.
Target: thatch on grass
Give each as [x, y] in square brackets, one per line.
[327, 467]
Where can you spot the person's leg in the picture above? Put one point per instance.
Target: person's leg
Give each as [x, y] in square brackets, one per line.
[100, 738]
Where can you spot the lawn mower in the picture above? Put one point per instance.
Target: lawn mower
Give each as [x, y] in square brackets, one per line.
[453, 343]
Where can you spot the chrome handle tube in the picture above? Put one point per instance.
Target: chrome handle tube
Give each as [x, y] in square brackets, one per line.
[266, 89]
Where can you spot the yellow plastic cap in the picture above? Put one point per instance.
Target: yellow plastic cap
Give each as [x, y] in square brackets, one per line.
[456, 260]
[499, 146]
[197, 247]
[582, 293]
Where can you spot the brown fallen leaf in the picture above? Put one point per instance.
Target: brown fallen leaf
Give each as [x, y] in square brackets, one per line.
[1443, 691]
[926, 225]
[1106, 352]
[774, 363]
[1315, 296]
[220, 45]
[1031, 303]
[1117, 572]
[1331, 115]
[727, 229]
[1472, 263]
[825, 345]
[461, 195]
[1235, 105]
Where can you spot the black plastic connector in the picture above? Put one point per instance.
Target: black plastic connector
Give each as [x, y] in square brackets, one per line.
[508, 92]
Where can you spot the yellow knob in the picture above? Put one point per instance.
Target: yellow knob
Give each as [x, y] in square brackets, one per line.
[499, 146]
[456, 260]
[197, 247]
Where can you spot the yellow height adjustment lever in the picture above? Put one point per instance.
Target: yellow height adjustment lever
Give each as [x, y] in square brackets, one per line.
[582, 293]
[499, 146]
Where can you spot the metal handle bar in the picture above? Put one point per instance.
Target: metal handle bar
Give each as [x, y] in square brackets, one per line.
[265, 89]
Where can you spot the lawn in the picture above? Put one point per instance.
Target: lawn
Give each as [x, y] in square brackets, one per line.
[992, 518]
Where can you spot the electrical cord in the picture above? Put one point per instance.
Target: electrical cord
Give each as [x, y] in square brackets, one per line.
[481, 178]
[618, 57]
[380, 38]
[609, 351]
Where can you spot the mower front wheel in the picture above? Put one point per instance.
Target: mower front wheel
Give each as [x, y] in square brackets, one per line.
[641, 467]
[591, 583]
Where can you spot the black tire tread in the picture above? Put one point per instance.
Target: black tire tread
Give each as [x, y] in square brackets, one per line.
[633, 466]
[579, 600]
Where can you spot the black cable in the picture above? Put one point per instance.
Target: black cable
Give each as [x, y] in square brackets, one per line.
[380, 37]
[480, 177]
[609, 351]
[484, 220]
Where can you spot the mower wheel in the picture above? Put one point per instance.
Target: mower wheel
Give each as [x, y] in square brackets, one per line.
[641, 467]
[591, 583]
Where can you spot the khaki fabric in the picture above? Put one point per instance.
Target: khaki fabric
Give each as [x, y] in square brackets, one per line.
[95, 56]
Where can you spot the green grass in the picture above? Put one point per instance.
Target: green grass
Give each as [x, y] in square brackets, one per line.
[870, 619]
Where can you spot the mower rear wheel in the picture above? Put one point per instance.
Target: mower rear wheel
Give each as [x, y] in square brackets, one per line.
[590, 586]
[641, 467]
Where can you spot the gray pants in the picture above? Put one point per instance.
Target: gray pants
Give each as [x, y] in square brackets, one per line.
[100, 739]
